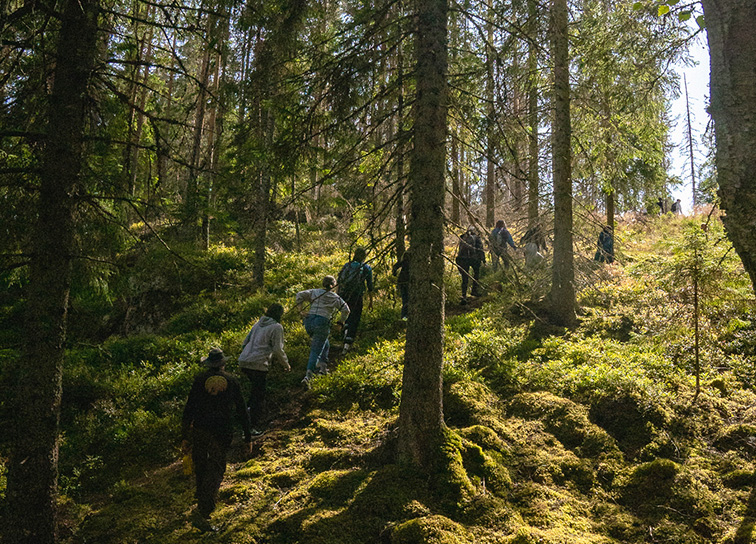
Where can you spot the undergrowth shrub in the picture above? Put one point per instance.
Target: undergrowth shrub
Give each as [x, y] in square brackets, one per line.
[370, 381]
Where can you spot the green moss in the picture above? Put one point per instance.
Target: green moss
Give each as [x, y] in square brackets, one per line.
[739, 479]
[567, 421]
[285, 479]
[331, 458]
[430, 530]
[469, 403]
[650, 485]
[740, 437]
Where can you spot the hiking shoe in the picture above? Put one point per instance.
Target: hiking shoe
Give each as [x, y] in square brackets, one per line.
[307, 379]
[321, 368]
[256, 432]
[347, 347]
[202, 524]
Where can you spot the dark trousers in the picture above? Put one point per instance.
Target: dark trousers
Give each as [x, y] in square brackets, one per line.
[209, 457]
[256, 403]
[404, 293]
[464, 265]
[353, 321]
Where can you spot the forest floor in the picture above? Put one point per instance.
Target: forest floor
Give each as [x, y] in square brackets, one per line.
[591, 435]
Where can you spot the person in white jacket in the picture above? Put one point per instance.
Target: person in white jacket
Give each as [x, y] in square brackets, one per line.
[264, 342]
[324, 304]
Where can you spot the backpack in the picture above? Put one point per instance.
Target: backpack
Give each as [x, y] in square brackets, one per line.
[350, 280]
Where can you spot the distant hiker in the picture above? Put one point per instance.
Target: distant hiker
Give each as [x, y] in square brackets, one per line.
[605, 251]
[662, 206]
[324, 303]
[533, 240]
[263, 342]
[207, 430]
[402, 281]
[470, 254]
[354, 279]
[499, 240]
[677, 207]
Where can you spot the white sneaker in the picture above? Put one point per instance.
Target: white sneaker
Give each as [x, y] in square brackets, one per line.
[347, 347]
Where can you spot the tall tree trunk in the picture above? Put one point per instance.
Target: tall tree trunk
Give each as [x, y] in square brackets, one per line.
[33, 468]
[401, 227]
[689, 128]
[533, 171]
[610, 208]
[562, 296]
[192, 201]
[455, 175]
[421, 421]
[732, 46]
[490, 194]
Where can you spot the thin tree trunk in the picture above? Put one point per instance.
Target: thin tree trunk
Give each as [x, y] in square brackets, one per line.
[33, 469]
[732, 46]
[400, 221]
[690, 145]
[562, 294]
[533, 170]
[455, 175]
[192, 198]
[421, 421]
[490, 194]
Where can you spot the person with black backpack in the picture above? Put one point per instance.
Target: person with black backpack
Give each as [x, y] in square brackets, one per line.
[470, 254]
[353, 280]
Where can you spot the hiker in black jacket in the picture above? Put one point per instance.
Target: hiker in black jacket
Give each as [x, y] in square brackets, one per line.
[207, 430]
[470, 254]
[355, 278]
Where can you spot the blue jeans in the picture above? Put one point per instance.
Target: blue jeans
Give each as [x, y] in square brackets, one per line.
[319, 328]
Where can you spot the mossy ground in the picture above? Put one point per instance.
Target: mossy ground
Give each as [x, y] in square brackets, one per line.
[595, 435]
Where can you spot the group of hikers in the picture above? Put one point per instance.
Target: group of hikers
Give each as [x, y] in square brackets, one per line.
[471, 254]
[216, 396]
[664, 207]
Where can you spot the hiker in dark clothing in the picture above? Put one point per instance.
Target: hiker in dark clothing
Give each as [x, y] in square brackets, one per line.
[207, 430]
[662, 206]
[499, 240]
[470, 254]
[263, 343]
[353, 280]
[402, 281]
[605, 251]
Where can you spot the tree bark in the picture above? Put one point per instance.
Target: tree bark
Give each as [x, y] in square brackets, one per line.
[33, 468]
[562, 296]
[732, 47]
[455, 174]
[490, 194]
[421, 412]
[533, 171]
[610, 208]
[401, 227]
